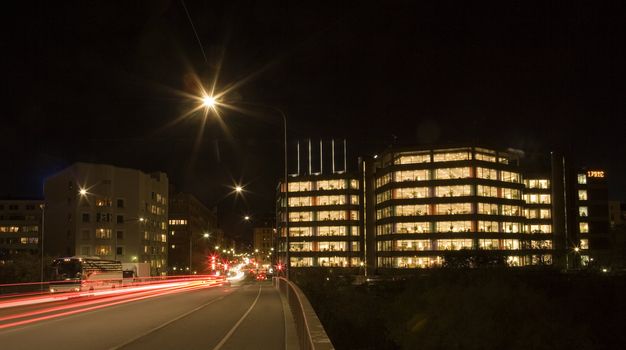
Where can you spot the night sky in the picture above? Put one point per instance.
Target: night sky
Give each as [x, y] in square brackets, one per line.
[104, 81]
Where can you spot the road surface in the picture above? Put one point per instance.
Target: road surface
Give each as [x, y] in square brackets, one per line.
[246, 315]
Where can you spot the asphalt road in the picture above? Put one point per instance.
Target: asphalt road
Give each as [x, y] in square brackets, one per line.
[241, 316]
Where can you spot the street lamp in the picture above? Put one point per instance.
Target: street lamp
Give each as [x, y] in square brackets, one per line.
[209, 101]
[238, 189]
[204, 235]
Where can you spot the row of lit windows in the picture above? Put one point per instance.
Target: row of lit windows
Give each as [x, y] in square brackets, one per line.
[537, 183]
[321, 185]
[323, 200]
[465, 226]
[323, 231]
[425, 157]
[14, 229]
[324, 215]
[323, 246]
[332, 261]
[458, 244]
[19, 240]
[447, 173]
[538, 198]
[456, 191]
[178, 222]
[437, 261]
[450, 209]
[155, 250]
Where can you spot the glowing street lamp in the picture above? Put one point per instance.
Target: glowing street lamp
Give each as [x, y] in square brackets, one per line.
[238, 189]
[82, 192]
[247, 217]
[209, 101]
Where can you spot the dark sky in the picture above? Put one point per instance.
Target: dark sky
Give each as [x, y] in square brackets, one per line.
[100, 80]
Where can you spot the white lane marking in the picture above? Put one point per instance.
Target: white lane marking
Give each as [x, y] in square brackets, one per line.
[227, 336]
[165, 324]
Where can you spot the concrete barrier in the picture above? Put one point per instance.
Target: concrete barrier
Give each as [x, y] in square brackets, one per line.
[311, 333]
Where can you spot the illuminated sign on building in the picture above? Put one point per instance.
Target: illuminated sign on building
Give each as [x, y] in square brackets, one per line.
[595, 173]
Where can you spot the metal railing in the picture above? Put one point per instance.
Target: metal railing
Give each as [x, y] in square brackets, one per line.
[311, 333]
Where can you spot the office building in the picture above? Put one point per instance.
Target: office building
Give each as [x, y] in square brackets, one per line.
[107, 211]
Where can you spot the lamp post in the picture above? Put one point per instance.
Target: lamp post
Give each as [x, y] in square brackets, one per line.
[204, 235]
[211, 102]
[43, 222]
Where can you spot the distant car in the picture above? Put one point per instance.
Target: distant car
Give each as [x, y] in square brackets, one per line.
[261, 277]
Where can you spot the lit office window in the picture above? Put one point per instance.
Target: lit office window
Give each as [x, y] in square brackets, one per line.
[453, 208]
[300, 201]
[545, 214]
[511, 210]
[300, 246]
[412, 210]
[333, 261]
[512, 227]
[331, 200]
[300, 216]
[452, 173]
[412, 227]
[512, 193]
[383, 180]
[384, 196]
[451, 156]
[411, 192]
[384, 229]
[331, 246]
[333, 184]
[300, 186]
[104, 233]
[541, 184]
[301, 262]
[177, 222]
[583, 211]
[331, 215]
[487, 191]
[332, 231]
[489, 244]
[582, 179]
[488, 208]
[488, 226]
[541, 244]
[354, 199]
[383, 213]
[453, 226]
[412, 245]
[411, 175]
[454, 244]
[354, 184]
[508, 176]
[413, 158]
[539, 228]
[583, 227]
[453, 191]
[485, 157]
[510, 244]
[582, 195]
[486, 173]
[300, 231]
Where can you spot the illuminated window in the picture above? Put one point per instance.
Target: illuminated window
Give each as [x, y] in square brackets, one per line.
[453, 191]
[354, 184]
[383, 180]
[333, 261]
[331, 200]
[332, 231]
[583, 211]
[454, 244]
[488, 208]
[512, 193]
[545, 214]
[508, 176]
[541, 244]
[413, 158]
[453, 208]
[485, 157]
[583, 227]
[300, 186]
[511, 210]
[103, 202]
[177, 222]
[412, 245]
[487, 191]
[510, 244]
[451, 156]
[485, 173]
[173, 246]
[331, 215]
[384, 196]
[354, 199]
[452, 173]
[301, 262]
[384, 229]
[541, 184]
[412, 210]
[539, 228]
[489, 244]
[453, 226]
[584, 244]
[300, 216]
[102, 250]
[411, 175]
[300, 246]
[412, 192]
[582, 195]
[333, 184]
[412, 227]
[503, 160]
[383, 213]
[582, 179]
[331, 246]
[104, 233]
[488, 226]
[300, 201]
[512, 227]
